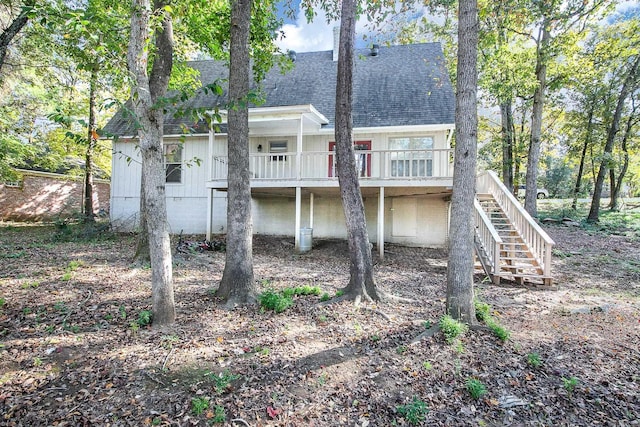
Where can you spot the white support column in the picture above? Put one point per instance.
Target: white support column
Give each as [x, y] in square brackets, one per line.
[299, 151]
[311, 210]
[209, 159]
[381, 223]
[298, 213]
[209, 211]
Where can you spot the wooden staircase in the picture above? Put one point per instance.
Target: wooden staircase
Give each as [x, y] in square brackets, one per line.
[510, 245]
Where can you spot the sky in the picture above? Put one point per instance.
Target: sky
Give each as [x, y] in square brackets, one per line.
[315, 36]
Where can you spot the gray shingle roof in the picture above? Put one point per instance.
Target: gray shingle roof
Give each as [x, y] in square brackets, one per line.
[402, 86]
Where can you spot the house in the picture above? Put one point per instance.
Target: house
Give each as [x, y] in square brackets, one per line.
[45, 196]
[403, 122]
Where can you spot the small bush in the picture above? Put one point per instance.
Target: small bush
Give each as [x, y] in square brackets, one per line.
[482, 310]
[325, 297]
[144, 318]
[533, 360]
[199, 405]
[271, 300]
[500, 332]
[414, 412]
[219, 416]
[222, 381]
[451, 328]
[569, 384]
[476, 388]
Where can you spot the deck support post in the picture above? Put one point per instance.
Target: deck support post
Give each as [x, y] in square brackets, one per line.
[209, 212]
[298, 213]
[381, 223]
[311, 210]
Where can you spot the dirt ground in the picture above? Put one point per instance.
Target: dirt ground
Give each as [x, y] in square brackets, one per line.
[72, 353]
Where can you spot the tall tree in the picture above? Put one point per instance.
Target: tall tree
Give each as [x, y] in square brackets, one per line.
[557, 19]
[361, 283]
[630, 80]
[237, 285]
[147, 90]
[19, 17]
[460, 266]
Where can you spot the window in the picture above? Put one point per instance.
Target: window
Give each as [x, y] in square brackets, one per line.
[413, 156]
[173, 163]
[278, 147]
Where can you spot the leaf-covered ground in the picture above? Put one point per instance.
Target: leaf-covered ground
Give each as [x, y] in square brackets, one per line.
[72, 351]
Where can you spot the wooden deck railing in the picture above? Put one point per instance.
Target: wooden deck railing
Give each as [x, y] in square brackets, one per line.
[320, 165]
[538, 241]
[488, 238]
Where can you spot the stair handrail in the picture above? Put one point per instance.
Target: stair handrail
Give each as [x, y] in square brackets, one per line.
[488, 236]
[536, 238]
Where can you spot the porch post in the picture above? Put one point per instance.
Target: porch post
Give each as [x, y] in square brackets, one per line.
[299, 151]
[209, 178]
[311, 210]
[209, 211]
[381, 223]
[298, 212]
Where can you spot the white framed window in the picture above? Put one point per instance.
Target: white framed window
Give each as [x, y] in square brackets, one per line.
[173, 163]
[413, 156]
[277, 147]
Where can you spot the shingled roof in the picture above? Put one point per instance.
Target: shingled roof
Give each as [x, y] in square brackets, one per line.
[401, 86]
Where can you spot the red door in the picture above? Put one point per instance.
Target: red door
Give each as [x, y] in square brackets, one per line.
[363, 160]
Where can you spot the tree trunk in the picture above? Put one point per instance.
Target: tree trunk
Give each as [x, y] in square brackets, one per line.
[361, 284]
[12, 31]
[612, 184]
[530, 201]
[594, 212]
[587, 142]
[237, 285]
[460, 304]
[616, 189]
[146, 91]
[89, 216]
[506, 115]
[141, 255]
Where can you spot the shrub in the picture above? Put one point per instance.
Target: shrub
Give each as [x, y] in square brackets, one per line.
[533, 360]
[476, 388]
[451, 328]
[271, 300]
[414, 412]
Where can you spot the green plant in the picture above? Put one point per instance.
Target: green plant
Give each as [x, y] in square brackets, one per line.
[325, 297]
[271, 300]
[402, 349]
[375, 338]
[427, 365]
[414, 412]
[307, 290]
[533, 360]
[26, 311]
[451, 328]
[475, 388]
[29, 285]
[499, 331]
[60, 306]
[482, 310]
[67, 276]
[37, 362]
[569, 384]
[156, 421]
[222, 381]
[219, 416]
[169, 340]
[427, 324]
[122, 311]
[144, 318]
[199, 405]
[322, 318]
[3, 302]
[339, 293]
[73, 265]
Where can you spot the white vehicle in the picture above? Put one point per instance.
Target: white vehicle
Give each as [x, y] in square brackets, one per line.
[542, 193]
